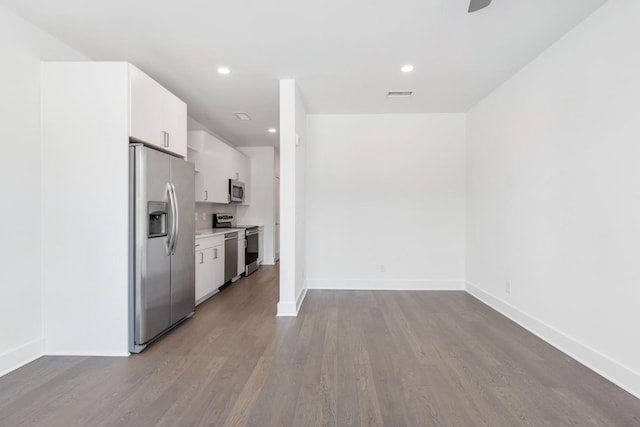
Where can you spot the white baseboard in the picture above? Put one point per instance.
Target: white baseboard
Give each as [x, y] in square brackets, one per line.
[268, 261]
[20, 356]
[300, 299]
[287, 309]
[207, 296]
[290, 308]
[386, 284]
[621, 375]
[88, 354]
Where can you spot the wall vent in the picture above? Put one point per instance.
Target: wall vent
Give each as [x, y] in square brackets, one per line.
[399, 94]
[242, 116]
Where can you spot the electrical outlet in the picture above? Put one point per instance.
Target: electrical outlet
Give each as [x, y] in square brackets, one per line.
[382, 268]
[507, 288]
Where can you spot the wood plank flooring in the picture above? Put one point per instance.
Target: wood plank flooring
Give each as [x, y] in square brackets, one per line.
[352, 358]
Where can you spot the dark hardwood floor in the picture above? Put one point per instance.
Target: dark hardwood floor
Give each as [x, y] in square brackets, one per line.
[363, 358]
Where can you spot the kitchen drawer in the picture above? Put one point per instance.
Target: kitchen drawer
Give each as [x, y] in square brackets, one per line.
[209, 242]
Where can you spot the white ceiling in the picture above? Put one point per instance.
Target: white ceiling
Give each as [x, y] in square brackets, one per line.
[345, 55]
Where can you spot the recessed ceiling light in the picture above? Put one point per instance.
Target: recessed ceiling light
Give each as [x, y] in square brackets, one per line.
[242, 116]
[407, 68]
[224, 70]
[272, 130]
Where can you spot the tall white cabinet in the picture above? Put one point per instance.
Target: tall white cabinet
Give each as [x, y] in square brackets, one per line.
[90, 110]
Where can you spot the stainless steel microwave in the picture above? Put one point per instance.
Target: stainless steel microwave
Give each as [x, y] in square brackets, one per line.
[236, 191]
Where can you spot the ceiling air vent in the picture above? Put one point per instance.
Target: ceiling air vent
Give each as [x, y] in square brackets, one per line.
[399, 94]
[242, 116]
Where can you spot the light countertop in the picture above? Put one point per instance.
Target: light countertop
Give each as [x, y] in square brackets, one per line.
[208, 232]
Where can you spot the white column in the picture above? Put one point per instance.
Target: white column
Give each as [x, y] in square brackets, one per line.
[292, 203]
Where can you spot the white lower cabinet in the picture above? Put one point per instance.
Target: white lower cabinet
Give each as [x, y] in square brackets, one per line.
[209, 266]
[204, 274]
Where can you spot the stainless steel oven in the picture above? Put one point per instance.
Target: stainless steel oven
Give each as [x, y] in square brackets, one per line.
[251, 242]
[236, 191]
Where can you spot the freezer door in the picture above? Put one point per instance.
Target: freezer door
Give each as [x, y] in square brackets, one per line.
[183, 269]
[152, 232]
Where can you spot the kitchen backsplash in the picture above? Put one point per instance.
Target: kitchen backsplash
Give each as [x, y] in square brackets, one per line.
[205, 211]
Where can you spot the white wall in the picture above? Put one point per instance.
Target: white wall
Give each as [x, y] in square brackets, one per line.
[206, 210]
[193, 124]
[554, 194]
[386, 201]
[301, 143]
[292, 199]
[23, 46]
[262, 209]
[277, 229]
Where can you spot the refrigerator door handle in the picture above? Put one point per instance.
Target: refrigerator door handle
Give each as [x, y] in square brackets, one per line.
[171, 219]
[172, 227]
[176, 218]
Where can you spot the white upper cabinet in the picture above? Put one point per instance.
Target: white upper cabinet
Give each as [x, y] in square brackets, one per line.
[242, 173]
[196, 155]
[217, 162]
[157, 117]
[175, 124]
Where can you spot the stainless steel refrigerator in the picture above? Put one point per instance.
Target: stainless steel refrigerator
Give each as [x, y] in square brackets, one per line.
[162, 244]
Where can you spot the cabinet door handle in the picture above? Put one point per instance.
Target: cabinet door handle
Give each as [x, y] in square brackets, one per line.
[168, 139]
[201, 257]
[215, 253]
[206, 195]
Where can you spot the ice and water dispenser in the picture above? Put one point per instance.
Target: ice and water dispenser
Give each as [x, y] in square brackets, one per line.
[157, 219]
